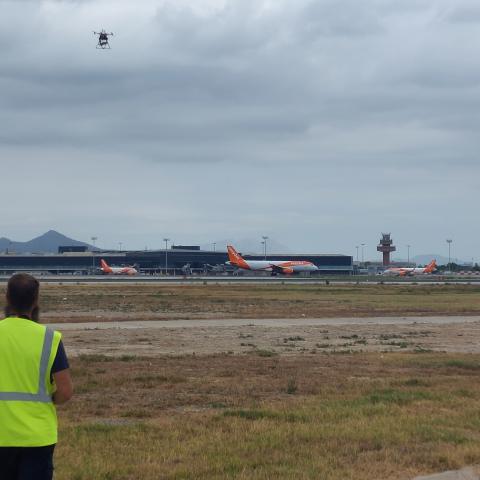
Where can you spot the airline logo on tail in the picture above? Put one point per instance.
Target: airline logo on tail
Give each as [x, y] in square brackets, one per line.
[236, 259]
[431, 267]
[106, 268]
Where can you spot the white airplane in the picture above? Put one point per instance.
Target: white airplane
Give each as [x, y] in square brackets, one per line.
[283, 267]
[404, 271]
[116, 270]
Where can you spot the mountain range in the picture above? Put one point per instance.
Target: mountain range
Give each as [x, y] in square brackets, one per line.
[46, 243]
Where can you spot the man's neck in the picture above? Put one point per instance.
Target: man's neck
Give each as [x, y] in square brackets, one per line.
[19, 315]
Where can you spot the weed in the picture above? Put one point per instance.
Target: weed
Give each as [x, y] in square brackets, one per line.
[292, 386]
[293, 339]
[128, 358]
[266, 353]
[266, 415]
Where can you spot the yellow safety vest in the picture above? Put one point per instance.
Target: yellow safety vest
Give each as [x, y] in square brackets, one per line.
[28, 416]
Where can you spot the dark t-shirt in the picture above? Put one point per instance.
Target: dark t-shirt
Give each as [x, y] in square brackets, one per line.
[61, 361]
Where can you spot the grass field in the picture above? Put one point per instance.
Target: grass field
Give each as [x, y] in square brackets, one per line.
[268, 413]
[88, 302]
[363, 416]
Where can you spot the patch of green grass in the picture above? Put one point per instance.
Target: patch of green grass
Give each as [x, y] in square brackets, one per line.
[463, 364]
[397, 397]
[266, 415]
[415, 382]
[128, 358]
[90, 358]
[266, 353]
[292, 386]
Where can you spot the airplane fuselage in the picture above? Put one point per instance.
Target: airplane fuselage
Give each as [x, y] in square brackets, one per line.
[108, 270]
[409, 271]
[122, 271]
[282, 267]
[295, 266]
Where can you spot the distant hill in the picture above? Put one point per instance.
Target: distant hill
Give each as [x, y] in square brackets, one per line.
[441, 260]
[46, 243]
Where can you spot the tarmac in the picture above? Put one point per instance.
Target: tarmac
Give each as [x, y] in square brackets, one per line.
[464, 474]
[251, 280]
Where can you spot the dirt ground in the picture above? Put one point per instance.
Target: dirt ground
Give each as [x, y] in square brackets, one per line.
[270, 337]
[105, 302]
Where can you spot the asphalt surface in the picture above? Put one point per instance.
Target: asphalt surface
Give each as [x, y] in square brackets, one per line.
[464, 474]
[257, 280]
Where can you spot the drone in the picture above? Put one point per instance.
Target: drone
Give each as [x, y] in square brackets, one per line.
[103, 39]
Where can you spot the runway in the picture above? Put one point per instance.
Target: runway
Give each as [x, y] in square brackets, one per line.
[249, 280]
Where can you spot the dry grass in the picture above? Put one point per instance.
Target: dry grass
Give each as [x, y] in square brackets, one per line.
[120, 302]
[364, 416]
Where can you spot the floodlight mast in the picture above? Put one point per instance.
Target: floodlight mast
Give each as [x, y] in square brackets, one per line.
[94, 239]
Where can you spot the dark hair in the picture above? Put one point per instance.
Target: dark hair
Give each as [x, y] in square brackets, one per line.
[22, 294]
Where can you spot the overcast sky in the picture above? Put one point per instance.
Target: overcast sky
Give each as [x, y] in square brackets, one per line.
[318, 123]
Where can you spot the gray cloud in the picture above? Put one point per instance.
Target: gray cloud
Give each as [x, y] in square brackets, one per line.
[318, 122]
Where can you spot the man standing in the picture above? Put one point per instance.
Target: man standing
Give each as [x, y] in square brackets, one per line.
[34, 375]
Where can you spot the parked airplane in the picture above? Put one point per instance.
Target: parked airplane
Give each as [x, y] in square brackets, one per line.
[283, 267]
[404, 271]
[116, 270]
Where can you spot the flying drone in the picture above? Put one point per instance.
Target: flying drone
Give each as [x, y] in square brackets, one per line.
[103, 39]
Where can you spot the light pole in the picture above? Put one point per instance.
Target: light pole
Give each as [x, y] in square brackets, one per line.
[166, 240]
[214, 247]
[265, 238]
[94, 239]
[408, 255]
[120, 246]
[357, 247]
[363, 251]
[449, 241]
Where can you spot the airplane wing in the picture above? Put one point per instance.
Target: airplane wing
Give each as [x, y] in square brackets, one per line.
[282, 270]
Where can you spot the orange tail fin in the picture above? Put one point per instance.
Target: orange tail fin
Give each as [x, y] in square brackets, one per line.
[105, 266]
[235, 258]
[431, 266]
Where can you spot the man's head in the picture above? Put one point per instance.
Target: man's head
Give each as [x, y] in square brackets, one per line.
[22, 296]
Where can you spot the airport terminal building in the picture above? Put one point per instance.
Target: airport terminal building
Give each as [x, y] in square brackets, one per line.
[174, 260]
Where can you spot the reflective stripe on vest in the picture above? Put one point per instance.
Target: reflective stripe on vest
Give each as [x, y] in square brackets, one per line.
[42, 394]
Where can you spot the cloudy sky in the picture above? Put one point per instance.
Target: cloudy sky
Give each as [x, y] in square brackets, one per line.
[318, 123]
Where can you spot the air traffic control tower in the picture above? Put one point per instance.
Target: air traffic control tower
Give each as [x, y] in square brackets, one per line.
[386, 248]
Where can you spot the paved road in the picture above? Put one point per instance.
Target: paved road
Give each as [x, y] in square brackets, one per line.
[101, 279]
[266, 322]
[464, 474]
